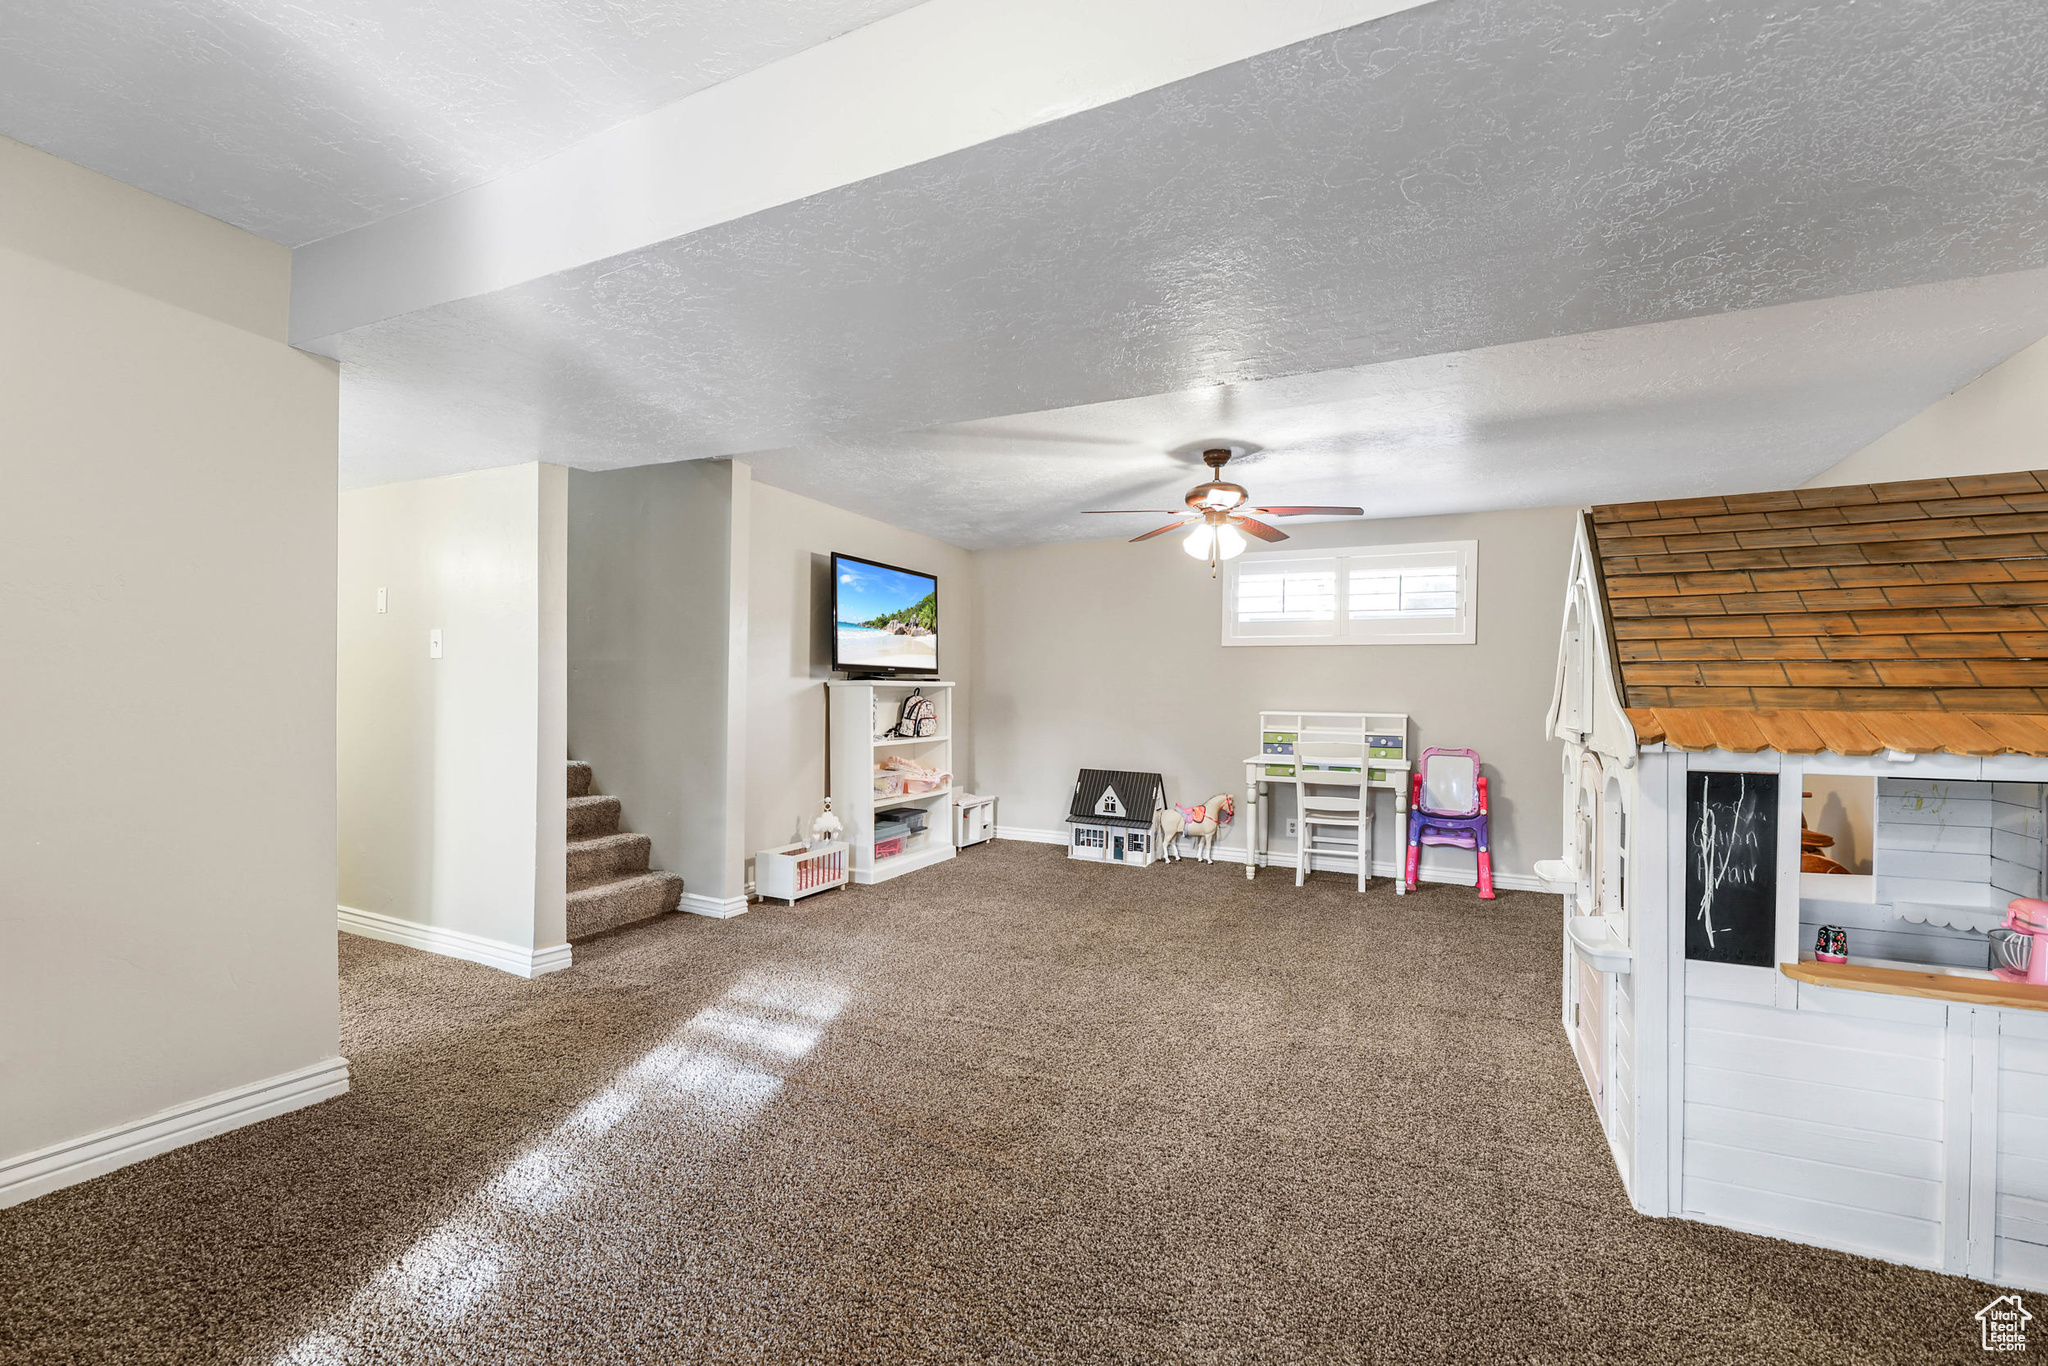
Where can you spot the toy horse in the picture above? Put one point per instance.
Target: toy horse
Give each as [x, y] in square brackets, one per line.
[1167, 825]
[1200, 821]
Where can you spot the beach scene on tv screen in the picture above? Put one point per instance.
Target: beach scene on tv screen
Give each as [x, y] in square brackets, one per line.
[888, 619]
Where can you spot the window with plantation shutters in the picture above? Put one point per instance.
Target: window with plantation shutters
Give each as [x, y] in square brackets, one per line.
[1285, 597]
[1356, 595]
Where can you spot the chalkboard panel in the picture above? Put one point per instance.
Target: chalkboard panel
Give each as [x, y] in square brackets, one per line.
[1731, 867]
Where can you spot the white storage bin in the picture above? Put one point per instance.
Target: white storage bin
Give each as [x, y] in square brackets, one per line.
[796, 870]
[974, 819]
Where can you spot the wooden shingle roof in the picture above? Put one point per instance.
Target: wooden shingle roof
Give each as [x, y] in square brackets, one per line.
[1910, 616]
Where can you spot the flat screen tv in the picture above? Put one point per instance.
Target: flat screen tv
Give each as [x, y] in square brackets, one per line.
[885, 620]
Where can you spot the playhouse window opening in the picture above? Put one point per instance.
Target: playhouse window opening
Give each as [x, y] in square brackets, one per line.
[1838, 820]
[1613, 889]
[1931, 872]
[1963, 844]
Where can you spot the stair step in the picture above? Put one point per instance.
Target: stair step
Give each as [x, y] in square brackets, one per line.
[612, 904]
[579, 778]
[593, 816]
[607, 858]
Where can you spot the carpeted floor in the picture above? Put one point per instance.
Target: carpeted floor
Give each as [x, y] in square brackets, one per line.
[1010, 1109]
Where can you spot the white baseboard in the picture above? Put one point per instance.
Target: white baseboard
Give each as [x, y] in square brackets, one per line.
[81, 1159]
[471, 948]
[1283, 858]
[718, 908]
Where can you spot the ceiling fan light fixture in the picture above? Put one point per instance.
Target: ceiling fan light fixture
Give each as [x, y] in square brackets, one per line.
[1205, 542]
[1219, 509]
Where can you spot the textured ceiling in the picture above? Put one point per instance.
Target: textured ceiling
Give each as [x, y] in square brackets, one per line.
[1468, 175]
[299, 121]
[1762, 399]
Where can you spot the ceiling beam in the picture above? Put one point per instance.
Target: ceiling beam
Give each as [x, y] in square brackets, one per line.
[945, 75]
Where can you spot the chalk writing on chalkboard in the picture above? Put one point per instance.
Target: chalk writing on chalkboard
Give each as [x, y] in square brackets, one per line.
[1731, 867]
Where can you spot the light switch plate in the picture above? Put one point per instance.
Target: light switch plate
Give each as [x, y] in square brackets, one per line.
[434, 643]
[383, 602]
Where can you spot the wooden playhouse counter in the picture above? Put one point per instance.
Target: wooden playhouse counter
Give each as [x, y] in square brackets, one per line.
[1940, 986]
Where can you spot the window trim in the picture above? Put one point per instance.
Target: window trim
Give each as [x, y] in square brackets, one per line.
[1343, 630]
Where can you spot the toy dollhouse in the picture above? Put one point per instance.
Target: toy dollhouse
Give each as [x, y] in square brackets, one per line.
[1718, 657]
[1112, 816]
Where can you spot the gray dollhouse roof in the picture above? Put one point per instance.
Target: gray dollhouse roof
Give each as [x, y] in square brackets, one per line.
[1140, 795]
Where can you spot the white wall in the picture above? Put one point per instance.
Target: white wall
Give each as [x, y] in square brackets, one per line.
[1108, 655]
[166, 571]
[651, 590]
[1995, 424]
[790, 647]
[453, 812]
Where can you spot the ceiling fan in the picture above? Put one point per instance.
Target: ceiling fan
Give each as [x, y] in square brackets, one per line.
[1216, 511]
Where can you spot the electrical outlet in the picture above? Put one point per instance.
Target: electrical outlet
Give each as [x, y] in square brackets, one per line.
[383, 602]
[1293, 828]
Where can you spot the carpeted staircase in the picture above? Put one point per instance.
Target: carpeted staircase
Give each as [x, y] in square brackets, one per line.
[609, 881]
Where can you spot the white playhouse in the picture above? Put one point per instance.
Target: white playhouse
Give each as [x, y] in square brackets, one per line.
[1720, 658]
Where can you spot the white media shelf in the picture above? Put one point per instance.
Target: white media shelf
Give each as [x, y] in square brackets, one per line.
[858, 713]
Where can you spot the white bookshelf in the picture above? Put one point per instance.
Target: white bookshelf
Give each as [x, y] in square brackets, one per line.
[858, 713]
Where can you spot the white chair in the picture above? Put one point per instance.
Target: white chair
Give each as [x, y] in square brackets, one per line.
[1335, 815]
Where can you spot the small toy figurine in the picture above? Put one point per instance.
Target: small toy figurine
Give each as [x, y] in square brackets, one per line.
[827, 827]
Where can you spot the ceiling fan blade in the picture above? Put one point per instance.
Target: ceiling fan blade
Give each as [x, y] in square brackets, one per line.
[1311, 512]
[1170, 526]
[1131, 512]
[1260, 529]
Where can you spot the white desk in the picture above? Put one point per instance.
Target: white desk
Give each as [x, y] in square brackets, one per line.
[1379, 740]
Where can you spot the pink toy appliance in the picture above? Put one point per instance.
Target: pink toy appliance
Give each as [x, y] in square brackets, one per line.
[2019, 949]
[1448, 806]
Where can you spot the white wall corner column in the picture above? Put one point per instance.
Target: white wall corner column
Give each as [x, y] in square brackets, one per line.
[551, 804]
[733, 891]
[453, 807]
